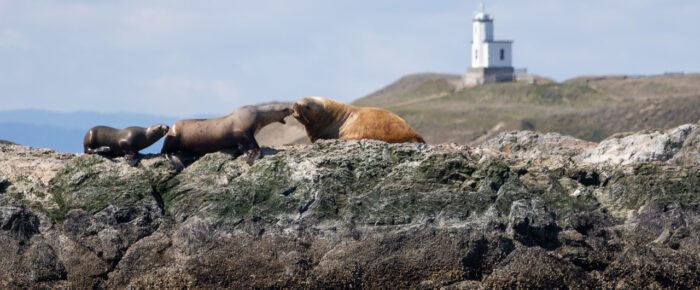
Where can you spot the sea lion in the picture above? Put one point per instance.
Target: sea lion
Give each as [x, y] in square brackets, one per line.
[127, 142]
[328, 119]
[234, 131]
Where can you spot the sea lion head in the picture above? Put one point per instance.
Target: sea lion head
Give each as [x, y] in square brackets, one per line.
[309, 110]
[321, 116]
[273, 113]
[158, 130]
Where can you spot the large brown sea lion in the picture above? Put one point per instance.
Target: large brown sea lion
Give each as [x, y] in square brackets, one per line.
[233, 131]
[328, 119]
[127, 142]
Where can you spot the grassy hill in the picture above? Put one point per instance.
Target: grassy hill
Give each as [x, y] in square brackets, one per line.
[413, 88]
[590, 108]
[651, 87]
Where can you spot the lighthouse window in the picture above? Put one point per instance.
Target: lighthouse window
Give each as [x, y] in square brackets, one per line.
[476, 54]
[503, 54]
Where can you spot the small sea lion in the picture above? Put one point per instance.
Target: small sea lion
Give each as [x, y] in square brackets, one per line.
[111, 142]
[324, 118]
[234, 131]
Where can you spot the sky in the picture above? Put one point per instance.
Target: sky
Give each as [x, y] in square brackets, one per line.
[184, 58]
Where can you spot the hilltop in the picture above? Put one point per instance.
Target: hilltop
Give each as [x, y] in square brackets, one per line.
[541, 210]
[590, 108]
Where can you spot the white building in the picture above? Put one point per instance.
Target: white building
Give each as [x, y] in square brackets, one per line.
[492, 60]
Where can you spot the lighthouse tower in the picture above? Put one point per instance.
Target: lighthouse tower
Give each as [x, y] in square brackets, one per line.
[491, 59]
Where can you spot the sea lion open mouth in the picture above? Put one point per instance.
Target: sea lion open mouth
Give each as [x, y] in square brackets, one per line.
[297, 114]
[295, 111]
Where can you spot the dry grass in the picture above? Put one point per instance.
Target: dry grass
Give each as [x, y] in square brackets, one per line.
[590, 108]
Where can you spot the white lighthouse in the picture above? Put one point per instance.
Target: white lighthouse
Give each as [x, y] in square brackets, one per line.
[491, 59]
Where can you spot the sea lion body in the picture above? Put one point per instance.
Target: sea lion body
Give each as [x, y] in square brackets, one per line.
[126, 142]
[324, 118]
[233, 131]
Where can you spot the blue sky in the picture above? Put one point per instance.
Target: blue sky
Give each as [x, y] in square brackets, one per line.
[182, 58]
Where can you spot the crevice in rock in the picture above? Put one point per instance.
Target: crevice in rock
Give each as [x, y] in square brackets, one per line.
[308, 204]
[4, 184]
[587, 178]
[159, 199]
[289, 190]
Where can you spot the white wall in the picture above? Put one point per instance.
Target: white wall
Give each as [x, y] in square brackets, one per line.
[478, 53]
[482, 31]
[494, 54]
[489, 54]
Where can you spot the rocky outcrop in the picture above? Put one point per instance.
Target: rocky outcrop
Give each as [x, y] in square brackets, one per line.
[523, 210]
[648, 147]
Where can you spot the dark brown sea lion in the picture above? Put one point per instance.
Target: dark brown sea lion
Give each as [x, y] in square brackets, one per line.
[127, 142]
[328, 119]
[233, 131]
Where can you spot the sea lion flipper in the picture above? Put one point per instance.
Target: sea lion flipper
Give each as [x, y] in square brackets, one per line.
[251, 148]
[170, 146]
[253, 154]
[131, 156]
[132, 159]
[175, 161]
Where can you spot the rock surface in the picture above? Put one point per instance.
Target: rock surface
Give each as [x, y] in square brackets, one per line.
[523, 210]
[647, 147]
